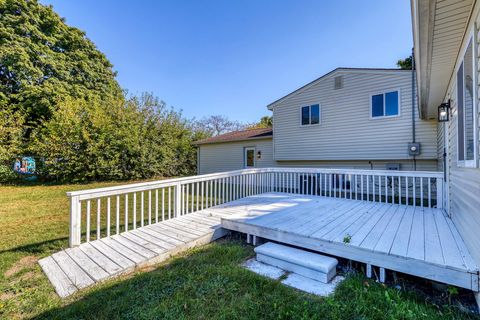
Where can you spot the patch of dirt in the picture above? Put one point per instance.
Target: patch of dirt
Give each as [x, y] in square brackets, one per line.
[6, 296]
[25, 262]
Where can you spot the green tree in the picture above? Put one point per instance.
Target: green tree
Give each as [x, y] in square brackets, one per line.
[43, 60]
[265, 122]
[405, 64]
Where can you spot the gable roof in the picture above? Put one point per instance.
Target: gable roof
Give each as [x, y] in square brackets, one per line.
[342, 69]
[249, 134]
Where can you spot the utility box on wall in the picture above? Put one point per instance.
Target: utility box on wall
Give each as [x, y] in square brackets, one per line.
[414, 148]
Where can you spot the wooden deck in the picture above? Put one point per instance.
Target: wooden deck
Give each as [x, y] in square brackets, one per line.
[76, 268]
[418, 241]
[414, 240]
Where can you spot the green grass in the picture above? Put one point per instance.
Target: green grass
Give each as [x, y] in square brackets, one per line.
[205, 283]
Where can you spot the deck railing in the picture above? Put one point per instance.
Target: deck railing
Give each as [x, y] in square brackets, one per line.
[98, 213]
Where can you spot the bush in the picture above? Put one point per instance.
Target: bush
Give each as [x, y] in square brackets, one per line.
[137, 139]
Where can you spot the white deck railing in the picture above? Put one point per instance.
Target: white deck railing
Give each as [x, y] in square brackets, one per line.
[121, 208]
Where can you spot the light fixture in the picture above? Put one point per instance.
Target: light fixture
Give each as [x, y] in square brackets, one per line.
[444, 112]
[259, 154]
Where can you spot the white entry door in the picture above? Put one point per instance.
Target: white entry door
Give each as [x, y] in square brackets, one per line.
[249, 157]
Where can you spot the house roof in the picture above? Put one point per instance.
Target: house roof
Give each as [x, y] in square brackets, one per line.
[334, 71]
[249, 134]
[438, 30]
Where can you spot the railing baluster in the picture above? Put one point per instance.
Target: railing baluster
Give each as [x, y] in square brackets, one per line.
[108, 216]
[149, 207]
[134, 210]
[163, 204]
[142, 208]
[429, 193]
[88, 222]
[117, 215]
[414, 192]
[421, 192]
[406, 191]
[187, 194]
[99, 229]
[126, 212]
[156, 205]
[169, 202]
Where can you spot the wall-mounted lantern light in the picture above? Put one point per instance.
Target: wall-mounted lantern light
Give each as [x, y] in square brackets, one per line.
[259, 154]
[444, 112]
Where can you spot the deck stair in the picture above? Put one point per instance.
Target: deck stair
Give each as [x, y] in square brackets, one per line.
[308, 264]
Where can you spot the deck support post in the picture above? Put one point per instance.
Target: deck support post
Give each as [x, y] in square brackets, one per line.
[75, 222]
[440, 183]
[248, 238]
[369, 270]
[254, 240]
[178, 199]
[382, 275]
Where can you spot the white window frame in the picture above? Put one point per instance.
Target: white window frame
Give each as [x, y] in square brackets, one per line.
[245, 150]
[310, 115]
[468, 163]
[384, 92]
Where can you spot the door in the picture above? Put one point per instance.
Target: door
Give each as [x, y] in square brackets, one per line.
[249, 157]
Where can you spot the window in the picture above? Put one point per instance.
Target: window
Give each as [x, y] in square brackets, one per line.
[465, 109]
[249, 157]
[311, 114]
[385, 104]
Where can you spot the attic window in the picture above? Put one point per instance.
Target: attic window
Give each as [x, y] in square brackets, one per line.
[338, 82]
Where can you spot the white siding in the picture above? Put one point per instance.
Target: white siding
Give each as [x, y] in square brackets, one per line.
[405, 165]
[226, 156]
[464, 183]
[346, 131]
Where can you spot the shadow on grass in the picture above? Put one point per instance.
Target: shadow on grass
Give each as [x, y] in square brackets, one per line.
[39, 247]
[209, 283]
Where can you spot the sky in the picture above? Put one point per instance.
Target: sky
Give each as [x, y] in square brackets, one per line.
[233, 57]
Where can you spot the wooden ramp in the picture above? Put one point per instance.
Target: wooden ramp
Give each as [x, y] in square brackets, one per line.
[415, 240]
[76, 268]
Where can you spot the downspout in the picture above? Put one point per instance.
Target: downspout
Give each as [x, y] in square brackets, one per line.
[413, 106]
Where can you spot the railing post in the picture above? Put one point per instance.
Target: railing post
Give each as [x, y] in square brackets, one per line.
[178, 199]
[75, 222]
[440, 195]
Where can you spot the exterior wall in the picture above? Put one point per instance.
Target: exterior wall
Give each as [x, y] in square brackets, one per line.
[464, 183]
[227, 156]
[405, 165]
[346, 130]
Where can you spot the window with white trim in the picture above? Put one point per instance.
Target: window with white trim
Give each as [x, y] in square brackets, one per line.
[386, 104]
[466, 110]
[310, 115]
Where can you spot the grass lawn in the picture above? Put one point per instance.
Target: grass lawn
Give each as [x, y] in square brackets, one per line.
[205, 283]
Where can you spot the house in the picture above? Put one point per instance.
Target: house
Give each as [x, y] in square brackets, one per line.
[446, 38]
[317, 179]
[357, 118]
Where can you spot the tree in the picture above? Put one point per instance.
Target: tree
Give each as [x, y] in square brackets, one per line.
[405, 64]
[43, 60]
[265, 122]
[218, 124]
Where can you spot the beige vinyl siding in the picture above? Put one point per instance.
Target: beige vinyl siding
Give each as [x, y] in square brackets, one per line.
[346, 130]
[226, 156]
[405, 165]
[464, 183]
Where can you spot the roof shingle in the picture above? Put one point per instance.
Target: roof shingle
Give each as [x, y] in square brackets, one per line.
[249, 134]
